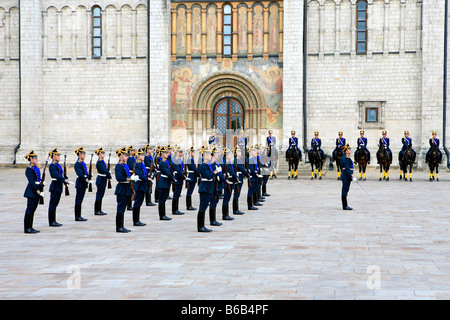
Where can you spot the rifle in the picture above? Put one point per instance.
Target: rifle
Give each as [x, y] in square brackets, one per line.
[132, 182]
[90, 174]
[237, 184]
[226, 177]
[186, 175]
[246, 168]
[171, 171]
[259, 170]
[41, 185]
[109, 168]
[65, 177]
[216, 191]
[157, 167]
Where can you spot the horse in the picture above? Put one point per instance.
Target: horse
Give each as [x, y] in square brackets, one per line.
[315, 158]
[408, 160]
[361, 158]
[337, 156]
[293, 156]
[433, 162]
[384, 159]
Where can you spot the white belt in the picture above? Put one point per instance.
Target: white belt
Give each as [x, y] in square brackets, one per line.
[124, 181]
[238, 173]
[164, 176]
[204, 179]
[188, 171]
[38, 182]
[54, 179]
[101, 175]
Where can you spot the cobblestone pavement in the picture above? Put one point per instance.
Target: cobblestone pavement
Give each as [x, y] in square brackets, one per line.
[299, 245]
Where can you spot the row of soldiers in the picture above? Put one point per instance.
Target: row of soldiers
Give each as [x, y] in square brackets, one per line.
[219, 174]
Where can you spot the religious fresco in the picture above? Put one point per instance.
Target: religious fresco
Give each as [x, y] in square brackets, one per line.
[264, 74]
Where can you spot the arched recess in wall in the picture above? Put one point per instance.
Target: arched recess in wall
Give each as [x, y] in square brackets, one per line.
[211, 90]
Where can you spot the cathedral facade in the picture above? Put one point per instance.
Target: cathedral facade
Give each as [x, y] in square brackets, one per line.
[115, 73]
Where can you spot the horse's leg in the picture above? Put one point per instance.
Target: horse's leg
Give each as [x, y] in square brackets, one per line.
[296, 169]
[312, 171]
[437, 172]
[364, 171]
[387, 172]
[320, 170]
[410, 172]
[381, 172]
[360, 171]
[431, 171]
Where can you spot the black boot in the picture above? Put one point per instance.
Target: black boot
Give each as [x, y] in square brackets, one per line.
[225, 215]
[148, 200]
[129, 204]
[52, 219]
[201, 223]
[189, 206]
[28, 224]
[136, 216]
[260, 197]
[119, 223]
[78, 216]
[236, 207]
[175, 210]
[156, 195]
[344, 203]
[162, 212]
[250, 204]
[255, 199]
[212, 217]
[264, 190]
[98, 209]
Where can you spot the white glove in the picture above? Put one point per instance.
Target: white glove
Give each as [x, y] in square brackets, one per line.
[229, 182]
[354, 179]
[42, 194]
[219, 169]
[260, 176]
[188, 179]
[134, 177]
[71, 182]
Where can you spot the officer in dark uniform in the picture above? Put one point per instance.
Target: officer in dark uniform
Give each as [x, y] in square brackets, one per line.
[56, 187]
[265, 170]
[82, 182]
[241, 172]
[178, 172]
[131, 162]
[151, 170]
[293, 142]
[316, 141]
[123, 188]
[165, 182]
[103, 175]
[32, 191]
[206, 188]
[347, 175]
[232, 181]
[140, 186]
[271, 144]
[193, 175]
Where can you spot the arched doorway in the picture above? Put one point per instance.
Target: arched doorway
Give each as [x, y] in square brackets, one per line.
[228, 113]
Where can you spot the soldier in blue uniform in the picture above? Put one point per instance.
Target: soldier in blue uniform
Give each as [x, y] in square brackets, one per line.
[271, 144]
[82, 182]
[123, 188]
[362, 144]
[56, 187]
[158, 160]
[434, 141]
[151, 170]
[140, 186]
[347, 175]
[252, 195]
[340, 143]
[32, 191]
[232, 182]
[213, 139]
[193, 175]
[240, 172]
[206, 188]
[385, 141]
[293, 142]
[260, 197]
[178, 172]
[216, 155]
[165, 182]
[131, 162]
[406, 142]
[316, 141]
[103, 175]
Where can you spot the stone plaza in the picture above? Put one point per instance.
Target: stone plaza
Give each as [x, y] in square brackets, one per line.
[299, 245]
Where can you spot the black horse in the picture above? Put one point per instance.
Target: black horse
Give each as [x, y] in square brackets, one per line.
[433, 160]
[337, 156]
[361, 158]
[384, 160]
[409, 157]
[316, 160]
[293, 156]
